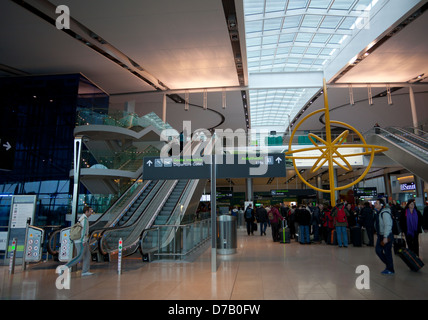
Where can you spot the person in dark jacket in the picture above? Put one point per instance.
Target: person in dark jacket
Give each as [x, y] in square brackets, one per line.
[303, 218]
[291, 221]
[249, 219]
[366, 220]
[262, 217]
[316, 221]
[411, 222]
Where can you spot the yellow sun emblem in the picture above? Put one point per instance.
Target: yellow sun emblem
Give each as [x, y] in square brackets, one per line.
[331, 151]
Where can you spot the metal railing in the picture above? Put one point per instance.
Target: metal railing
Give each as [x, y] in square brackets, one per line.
[186, 239]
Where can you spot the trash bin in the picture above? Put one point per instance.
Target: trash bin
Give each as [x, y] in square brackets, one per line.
[226, 234]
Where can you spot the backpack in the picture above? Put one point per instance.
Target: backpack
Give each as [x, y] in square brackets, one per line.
[341, 215]
[76, 231]
[396, 230]
[270, 215]
[248, 213]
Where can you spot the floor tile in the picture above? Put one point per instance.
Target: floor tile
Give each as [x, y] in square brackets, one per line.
[260, 270]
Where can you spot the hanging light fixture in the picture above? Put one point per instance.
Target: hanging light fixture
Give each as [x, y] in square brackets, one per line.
[186, 100]
[388, 93]
[223, 98]
[205, 103]
[369, 88]
[351, 95]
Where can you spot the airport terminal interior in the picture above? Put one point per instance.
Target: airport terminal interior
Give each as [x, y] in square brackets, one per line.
[165, 120]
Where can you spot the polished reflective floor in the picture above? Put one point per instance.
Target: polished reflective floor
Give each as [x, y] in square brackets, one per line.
[261, 269]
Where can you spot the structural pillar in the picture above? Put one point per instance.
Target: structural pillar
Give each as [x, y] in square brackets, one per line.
[76, 177]
[387, 182]
[249, 189]
[164, 109]
[413, 108]
[419, 188]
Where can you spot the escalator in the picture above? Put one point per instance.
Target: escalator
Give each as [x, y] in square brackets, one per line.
[171, 202]
[407, 147]
[109, 218]
[167, 205]
[141, 206]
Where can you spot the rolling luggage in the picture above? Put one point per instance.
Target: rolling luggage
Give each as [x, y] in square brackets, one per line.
[398, 244]
[410, 259]
[284, 235]
[356, 236]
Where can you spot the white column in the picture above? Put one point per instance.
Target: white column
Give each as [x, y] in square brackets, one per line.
[413, 108]
[164, 109]
[249, 189]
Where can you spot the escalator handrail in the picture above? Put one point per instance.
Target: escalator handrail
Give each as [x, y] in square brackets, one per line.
[410, 129]
[118, 200]
[133, 200]
[101, 231]
[406, 140]
[122, 213]
[99, 218]
[101, 236]
[412, 135]
[384, 136]
[48, 246]
[172, 213]
[138, 241]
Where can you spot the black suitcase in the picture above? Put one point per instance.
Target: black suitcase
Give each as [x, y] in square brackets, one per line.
[398, 244]
[356, 236]
[410, 259]
[254, 227]
[284, 235]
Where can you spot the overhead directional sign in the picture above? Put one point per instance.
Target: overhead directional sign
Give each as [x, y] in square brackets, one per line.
[7, 153]
[227, 166]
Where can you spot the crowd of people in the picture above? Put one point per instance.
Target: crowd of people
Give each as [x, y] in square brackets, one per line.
[332, 224]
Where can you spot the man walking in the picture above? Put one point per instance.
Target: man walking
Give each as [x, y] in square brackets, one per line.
[385, 236]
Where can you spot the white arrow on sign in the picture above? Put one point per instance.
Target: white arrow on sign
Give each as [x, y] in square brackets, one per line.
[149, 163]
[278, 160]
[7, 146]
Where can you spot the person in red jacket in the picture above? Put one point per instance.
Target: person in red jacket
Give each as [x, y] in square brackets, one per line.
[327, 222]
[274, 218]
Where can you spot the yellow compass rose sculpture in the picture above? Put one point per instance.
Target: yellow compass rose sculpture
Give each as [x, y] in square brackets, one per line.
[331, 151]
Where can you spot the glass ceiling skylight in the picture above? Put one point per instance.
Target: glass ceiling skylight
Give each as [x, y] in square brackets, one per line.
[294, 36]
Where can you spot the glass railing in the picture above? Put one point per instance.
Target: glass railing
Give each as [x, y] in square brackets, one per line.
[118, 118]
[175, 239]
[301, 137]
[131, 233]
[187, 238]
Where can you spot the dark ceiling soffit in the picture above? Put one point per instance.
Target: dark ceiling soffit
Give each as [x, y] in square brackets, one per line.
[91, 34]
